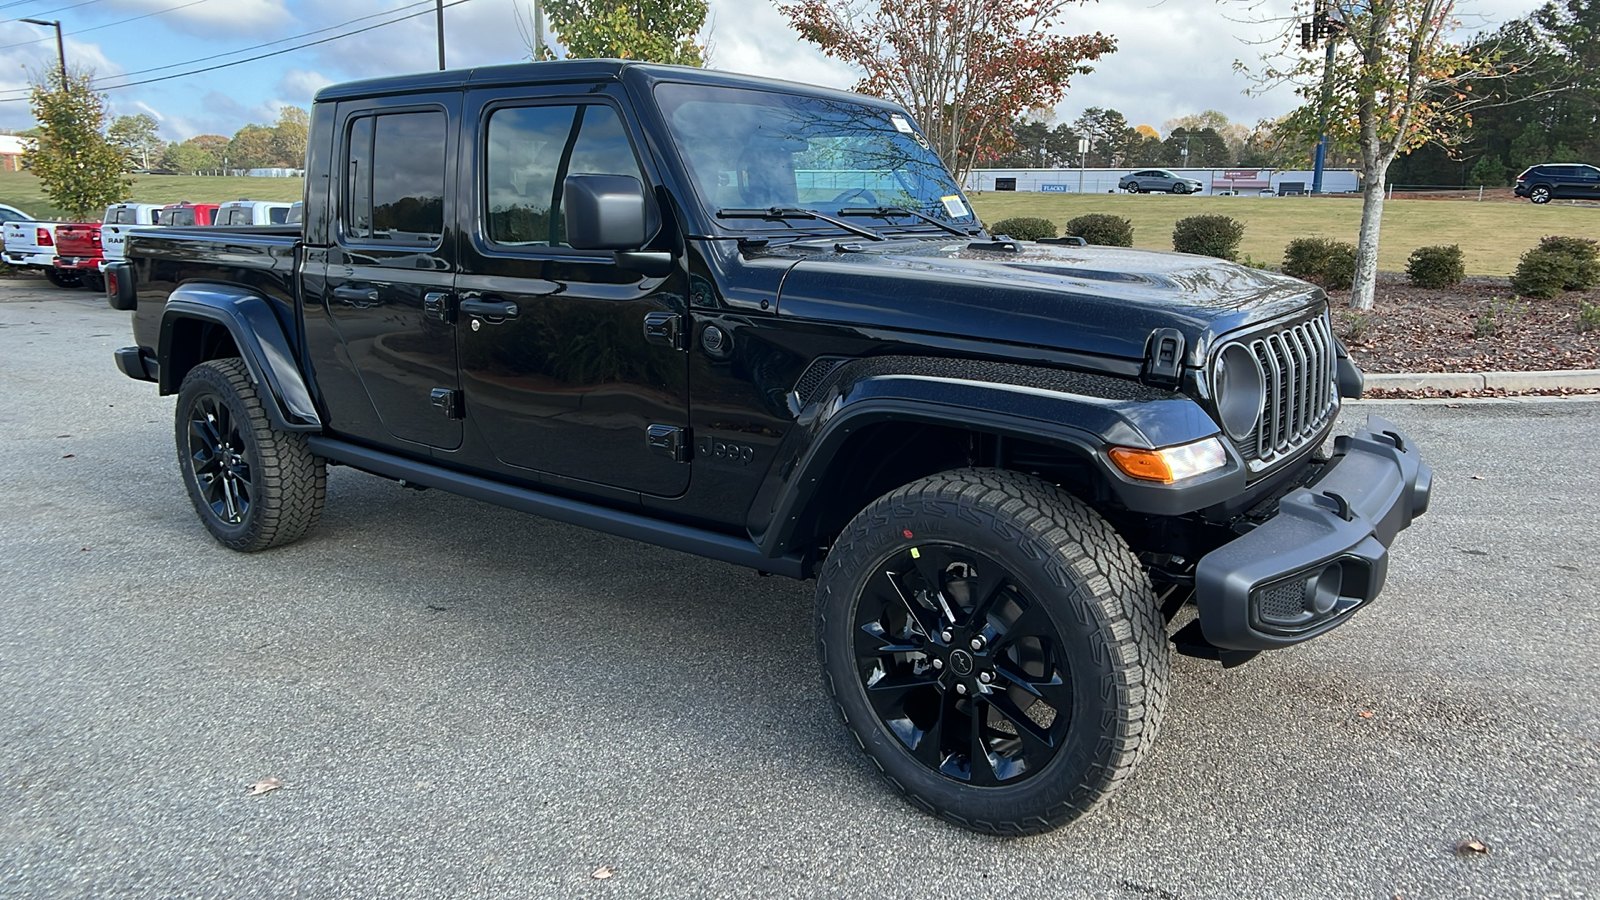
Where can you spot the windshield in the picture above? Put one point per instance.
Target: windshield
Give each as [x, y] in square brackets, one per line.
[749, 149]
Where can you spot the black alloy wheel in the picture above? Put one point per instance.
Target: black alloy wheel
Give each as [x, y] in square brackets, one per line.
[963, 667]
[253, 485]
[1540, 194]
[994, 646]
[220, 459]
[1133, 187]
[1180, 189]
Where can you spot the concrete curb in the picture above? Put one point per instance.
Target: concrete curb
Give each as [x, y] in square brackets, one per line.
[1565, 379]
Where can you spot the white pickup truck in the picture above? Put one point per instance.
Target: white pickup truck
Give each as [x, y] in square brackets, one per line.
[252, 212]
[32, 245]
[120, 219]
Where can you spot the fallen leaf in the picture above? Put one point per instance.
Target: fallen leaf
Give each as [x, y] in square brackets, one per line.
[1472, 848]
[264, 786]
[602, 873]
[1365, 715]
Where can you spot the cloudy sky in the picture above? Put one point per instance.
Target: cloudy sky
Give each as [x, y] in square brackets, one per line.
[1174, 57]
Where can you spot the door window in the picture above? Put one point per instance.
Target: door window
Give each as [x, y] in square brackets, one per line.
[394, 181]
[529, 153]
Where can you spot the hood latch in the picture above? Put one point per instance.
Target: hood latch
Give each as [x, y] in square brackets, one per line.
[1163, 358]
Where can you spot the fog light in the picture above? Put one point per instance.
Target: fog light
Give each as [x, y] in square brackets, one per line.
[1172, 463]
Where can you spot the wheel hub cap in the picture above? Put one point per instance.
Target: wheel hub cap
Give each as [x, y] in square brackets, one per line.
[961, 662]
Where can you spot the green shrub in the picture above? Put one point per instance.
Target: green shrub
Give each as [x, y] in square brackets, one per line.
[1585, 255]
[1588, 316]
[1103, 229]
[1217, 236]
[1025, 228]
[1544, 273]
[1436, 267]
[1498, 314]
[1324, 261]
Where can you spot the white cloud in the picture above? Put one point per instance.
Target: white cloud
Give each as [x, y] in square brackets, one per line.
[300, 85]
[211, 18]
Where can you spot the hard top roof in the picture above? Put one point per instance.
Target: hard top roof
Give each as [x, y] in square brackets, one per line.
[568, 70]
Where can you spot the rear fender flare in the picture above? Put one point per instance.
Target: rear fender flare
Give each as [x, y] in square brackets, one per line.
[1083, 424]
[261, 341]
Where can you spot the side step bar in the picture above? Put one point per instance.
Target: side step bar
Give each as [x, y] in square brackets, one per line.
[740, 551]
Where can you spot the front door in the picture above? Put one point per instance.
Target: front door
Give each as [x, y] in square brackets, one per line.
[559, 374]
[391, 268]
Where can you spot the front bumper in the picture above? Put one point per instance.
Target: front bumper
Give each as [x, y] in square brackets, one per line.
[1324, 554]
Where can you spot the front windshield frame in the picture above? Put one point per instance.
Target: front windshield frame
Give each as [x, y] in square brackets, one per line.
[737, 132]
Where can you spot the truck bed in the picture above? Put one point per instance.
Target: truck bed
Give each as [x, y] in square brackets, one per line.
[263, 258]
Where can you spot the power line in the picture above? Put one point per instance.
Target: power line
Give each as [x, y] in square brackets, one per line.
[56, 10]
[79, 31]
[264, 55]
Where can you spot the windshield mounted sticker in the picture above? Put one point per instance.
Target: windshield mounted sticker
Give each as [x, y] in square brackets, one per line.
[954, 206]
[901, 124]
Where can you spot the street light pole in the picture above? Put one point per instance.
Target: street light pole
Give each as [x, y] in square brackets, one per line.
[439, 11]
[61, 49]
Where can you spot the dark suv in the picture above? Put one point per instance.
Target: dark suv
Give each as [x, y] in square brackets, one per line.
[1559, 181]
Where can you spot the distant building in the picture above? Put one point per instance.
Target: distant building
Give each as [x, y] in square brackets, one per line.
[276, 173]
[11, 149]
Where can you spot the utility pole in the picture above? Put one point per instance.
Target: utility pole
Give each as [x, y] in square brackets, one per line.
[1322, 27]
[439, 12]
[61, 50]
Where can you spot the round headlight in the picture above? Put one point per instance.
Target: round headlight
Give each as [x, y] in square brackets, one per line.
[1240, 390]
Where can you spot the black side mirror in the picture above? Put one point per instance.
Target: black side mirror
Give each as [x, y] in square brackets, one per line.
[604, 212]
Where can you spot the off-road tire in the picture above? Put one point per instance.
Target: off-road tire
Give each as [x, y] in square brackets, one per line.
[285, 483]
[61, 279]
[1099, 601]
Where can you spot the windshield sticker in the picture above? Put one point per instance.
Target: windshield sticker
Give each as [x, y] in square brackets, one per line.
[954, 206]
[900, 123]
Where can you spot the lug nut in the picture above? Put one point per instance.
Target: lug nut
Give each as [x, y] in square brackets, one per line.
[977, 643]
[961, 689]
[938, 664]
[945, 636]
[985, 678]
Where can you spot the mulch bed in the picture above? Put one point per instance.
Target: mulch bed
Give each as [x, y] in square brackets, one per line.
[1480, 325]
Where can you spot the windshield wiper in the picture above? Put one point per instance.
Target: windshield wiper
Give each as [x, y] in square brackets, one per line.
[794, 212]
[885, 211]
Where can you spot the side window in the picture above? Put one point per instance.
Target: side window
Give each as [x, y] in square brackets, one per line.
[531, 150]
[394, 187]
[279, 215]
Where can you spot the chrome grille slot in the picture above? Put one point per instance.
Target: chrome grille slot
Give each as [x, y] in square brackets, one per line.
[1298, 366]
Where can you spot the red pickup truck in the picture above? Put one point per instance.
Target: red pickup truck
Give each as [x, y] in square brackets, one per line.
[79, 252]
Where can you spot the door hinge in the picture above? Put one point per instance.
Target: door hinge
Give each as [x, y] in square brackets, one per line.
[447, 401]
[669, 441]
[436, 305]
[663, 328]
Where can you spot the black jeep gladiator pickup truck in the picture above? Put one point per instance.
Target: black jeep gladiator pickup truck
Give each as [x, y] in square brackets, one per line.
[759, 322]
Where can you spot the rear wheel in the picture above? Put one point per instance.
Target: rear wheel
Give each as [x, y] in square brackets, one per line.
[1133, 187]
[62, 279]
[995, 648]
[254, 486]
[1540, 194]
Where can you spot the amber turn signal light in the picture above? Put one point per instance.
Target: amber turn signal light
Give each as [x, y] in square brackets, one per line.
[1172, 463]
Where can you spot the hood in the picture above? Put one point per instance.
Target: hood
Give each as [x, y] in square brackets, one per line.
[1099, 300]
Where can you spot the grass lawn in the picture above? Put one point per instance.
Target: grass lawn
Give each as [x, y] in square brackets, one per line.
[1492, 235]
[22, 190]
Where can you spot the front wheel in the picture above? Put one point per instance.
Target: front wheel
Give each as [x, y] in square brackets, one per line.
[62, 279]
[254, 486]
[995, 648]
[1180, 189]
[1540, 194]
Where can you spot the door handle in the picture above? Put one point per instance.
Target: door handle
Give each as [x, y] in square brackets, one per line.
[356, 296]
[487, 306]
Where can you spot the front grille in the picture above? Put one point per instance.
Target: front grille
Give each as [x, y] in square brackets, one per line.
[1299, 369]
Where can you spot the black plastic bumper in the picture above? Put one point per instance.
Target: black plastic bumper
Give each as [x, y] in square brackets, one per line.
[1324, 554]
[134, 364]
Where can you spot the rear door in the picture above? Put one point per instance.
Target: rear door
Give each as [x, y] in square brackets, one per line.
[569, 364]
[391, 265]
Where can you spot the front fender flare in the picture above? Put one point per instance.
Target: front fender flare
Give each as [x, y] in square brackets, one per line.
[265, 348]
[1082, 423]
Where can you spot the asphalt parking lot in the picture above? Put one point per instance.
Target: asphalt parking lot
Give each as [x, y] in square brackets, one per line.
[464, 701]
